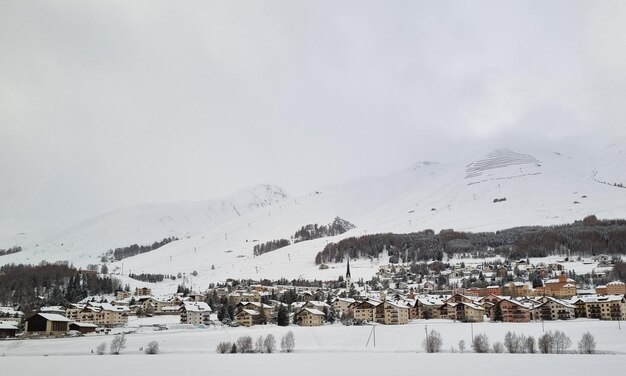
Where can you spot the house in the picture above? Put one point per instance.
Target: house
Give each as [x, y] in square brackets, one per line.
[428, 307]
[512, 311]
[553, 309]
[123, 294]
[515, 289]
[368, 311]
[49, 324]
[265, 310]
[11, 314]
[310, 317]
[343, 305]
[493, 290]
[561, 287]
[609, 307]
[465, 311]
[395, 313]
[83, 327]
[248, 317]
[143, 291]
[616, 288]
[195, 313]
[8, 329]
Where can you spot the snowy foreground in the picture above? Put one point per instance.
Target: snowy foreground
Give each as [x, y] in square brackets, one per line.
[333, 349]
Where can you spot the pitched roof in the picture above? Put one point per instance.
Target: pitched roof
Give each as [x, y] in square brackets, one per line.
[53, 317]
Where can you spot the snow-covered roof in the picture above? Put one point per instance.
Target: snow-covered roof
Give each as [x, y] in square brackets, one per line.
[84, 324]
[54, 317]
[312, 311]
[197, 307]
[7, 325]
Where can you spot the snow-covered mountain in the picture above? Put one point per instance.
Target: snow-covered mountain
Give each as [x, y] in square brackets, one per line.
[502, 189]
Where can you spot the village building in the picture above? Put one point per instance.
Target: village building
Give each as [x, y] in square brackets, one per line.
[553, 309]
[49, 324]
[561, 287]
[343, 305]
[395, 313]
[83, 327]
[309, 317]
[195, 313]
[248, 317]
[616, 288]
[369, 310]
[8, 329]
[143, 291]
[512, 311]
[608, 307]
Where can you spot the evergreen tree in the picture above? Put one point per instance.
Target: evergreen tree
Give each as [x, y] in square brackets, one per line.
[283, 316]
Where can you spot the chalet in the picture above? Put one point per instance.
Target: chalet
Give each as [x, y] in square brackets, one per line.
[395, 313]
[465, 311]
[248, 317]
[264, 309]
[343, 305]
[195, 313]
[143, 291]
[369, 310]
[309, 317]
[493, 290]
[428, 307]
[8, 329]
[515, 289]
[553, 309]
[11, 314]
[513, 311]
[49, 324]
[83, 327]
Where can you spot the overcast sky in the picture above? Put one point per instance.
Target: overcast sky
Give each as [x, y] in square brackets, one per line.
[106, 104]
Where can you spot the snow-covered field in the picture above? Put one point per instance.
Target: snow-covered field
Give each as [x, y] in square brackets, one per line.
[331, 349]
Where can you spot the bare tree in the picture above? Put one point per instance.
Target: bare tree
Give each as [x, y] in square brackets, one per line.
[480, 343]
[530, 345]
[288, 342]
[101, 348]
[118, 344]
[223, 347]
[561, 342]
[152, 348]
[587, 344]
[258, 345]
[269, 344]
[433, 342]
[244, 344]
[546, 343]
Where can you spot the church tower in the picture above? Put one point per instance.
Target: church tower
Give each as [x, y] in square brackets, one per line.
[348, 277]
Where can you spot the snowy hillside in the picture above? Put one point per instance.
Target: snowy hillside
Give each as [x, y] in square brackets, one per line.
[501, 189]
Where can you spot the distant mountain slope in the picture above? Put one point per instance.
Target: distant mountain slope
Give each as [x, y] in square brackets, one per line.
[499, 190]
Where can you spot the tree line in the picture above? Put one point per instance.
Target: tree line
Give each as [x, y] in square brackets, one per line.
[33, 286]
[306, 232]
[586, 238]
[134, 250]
[11, 250]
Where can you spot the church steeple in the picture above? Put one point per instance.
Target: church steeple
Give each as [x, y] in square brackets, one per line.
[348, 277]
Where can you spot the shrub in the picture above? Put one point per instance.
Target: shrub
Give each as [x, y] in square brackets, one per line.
[461, 346]
[480, 343]
[587, 344]
[223, 347]
[152, 348]
[288, 342]
[433, 342]
[498, 348]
